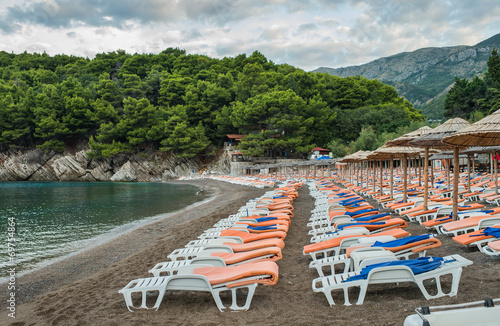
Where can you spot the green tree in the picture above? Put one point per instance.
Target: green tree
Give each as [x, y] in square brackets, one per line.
[186, 141]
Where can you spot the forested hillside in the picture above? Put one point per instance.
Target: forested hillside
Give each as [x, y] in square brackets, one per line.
[185, 104]
[476, 98]
[425, 75]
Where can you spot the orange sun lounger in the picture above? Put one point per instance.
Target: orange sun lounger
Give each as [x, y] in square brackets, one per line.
[435, 222]
[471, 238]
[267, 253]
[239, 247]
[466, 225]
[335, 242]
[385, 224]
[415, 247]
[206, 278]
[249, 237]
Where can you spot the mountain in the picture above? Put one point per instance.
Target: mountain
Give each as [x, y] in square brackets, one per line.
[424, 76]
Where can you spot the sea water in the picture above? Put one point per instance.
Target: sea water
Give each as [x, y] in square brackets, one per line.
[49, 220]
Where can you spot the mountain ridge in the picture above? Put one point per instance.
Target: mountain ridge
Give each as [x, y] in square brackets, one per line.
[421, 76]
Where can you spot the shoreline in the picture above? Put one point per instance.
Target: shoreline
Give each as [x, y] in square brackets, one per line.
[87, 261]
[108, 236]
[84, 291]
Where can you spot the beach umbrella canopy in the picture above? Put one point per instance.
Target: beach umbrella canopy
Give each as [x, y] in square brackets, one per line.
[386, 152]
[355, 157]
[433, 139]
[448, 155]
[485, 132]
[481, 149]
[403, 140]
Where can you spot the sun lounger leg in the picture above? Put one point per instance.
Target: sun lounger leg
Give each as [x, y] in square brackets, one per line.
[144, 286]
[454, 285]
[234, 297]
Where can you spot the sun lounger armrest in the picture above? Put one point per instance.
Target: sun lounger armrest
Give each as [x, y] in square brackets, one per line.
[222, 240]
[219, 248]
[366, 249]
[189, 282]
[212, 261]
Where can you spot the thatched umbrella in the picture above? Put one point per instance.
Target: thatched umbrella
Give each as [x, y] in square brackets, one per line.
[485, 132]
[433, 140]
[354, 158]
[390, 153]
[480, 149]
[403, 141]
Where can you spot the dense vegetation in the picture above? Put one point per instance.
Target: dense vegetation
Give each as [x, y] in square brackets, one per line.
[186, 104]
[478, 97]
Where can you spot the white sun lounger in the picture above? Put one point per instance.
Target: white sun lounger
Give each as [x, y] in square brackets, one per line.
[480, 313]
[205, 278]
[492, 249]
[392, 274]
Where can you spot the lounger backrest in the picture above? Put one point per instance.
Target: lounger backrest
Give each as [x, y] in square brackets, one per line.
[486, 222]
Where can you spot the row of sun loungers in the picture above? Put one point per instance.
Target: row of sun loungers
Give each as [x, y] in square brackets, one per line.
[472, 216]
[245, 181]
[476, 226]
[233, 257]
[355, 245]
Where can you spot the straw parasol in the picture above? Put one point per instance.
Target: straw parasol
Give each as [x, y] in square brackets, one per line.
[386, 152]
[485, 132]
[433, 140]
[403, 140]
[354, 158]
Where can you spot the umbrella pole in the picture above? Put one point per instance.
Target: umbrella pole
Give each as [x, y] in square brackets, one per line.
[496, 176]
[447, 161]
[426, 178]
[361, 174]
[491, 166]
[373, 176]
[392, 176]
[419, 171]
[456, 172]
[473, 165]
[405, 181]
[380, 162]
[468, 173]
[432, 174]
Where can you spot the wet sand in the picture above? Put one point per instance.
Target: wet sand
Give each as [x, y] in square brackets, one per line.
[83, 290]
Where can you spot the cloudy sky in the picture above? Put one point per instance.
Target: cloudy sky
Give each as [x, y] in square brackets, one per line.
[304, 33]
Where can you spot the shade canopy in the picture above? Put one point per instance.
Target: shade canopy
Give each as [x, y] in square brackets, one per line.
[434, 137]
[445, 156]
[355, 157]
[388, 152]
[403, 140]
[485, 132]
[481, 149]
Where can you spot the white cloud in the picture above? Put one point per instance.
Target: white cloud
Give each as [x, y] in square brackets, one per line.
[307, 34]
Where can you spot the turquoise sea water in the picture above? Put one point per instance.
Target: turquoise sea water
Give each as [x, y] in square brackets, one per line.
[54, 219]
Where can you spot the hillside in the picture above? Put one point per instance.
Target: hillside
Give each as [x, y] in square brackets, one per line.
[423, 75]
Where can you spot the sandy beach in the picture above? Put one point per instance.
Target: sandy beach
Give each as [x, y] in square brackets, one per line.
[83, 289]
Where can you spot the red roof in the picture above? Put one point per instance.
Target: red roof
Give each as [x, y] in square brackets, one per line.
[235, 136]
[237, 153]
[319, 149]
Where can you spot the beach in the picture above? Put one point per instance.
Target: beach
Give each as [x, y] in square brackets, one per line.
[83, 289]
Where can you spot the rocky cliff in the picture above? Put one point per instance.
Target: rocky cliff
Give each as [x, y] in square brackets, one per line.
[37, 165]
